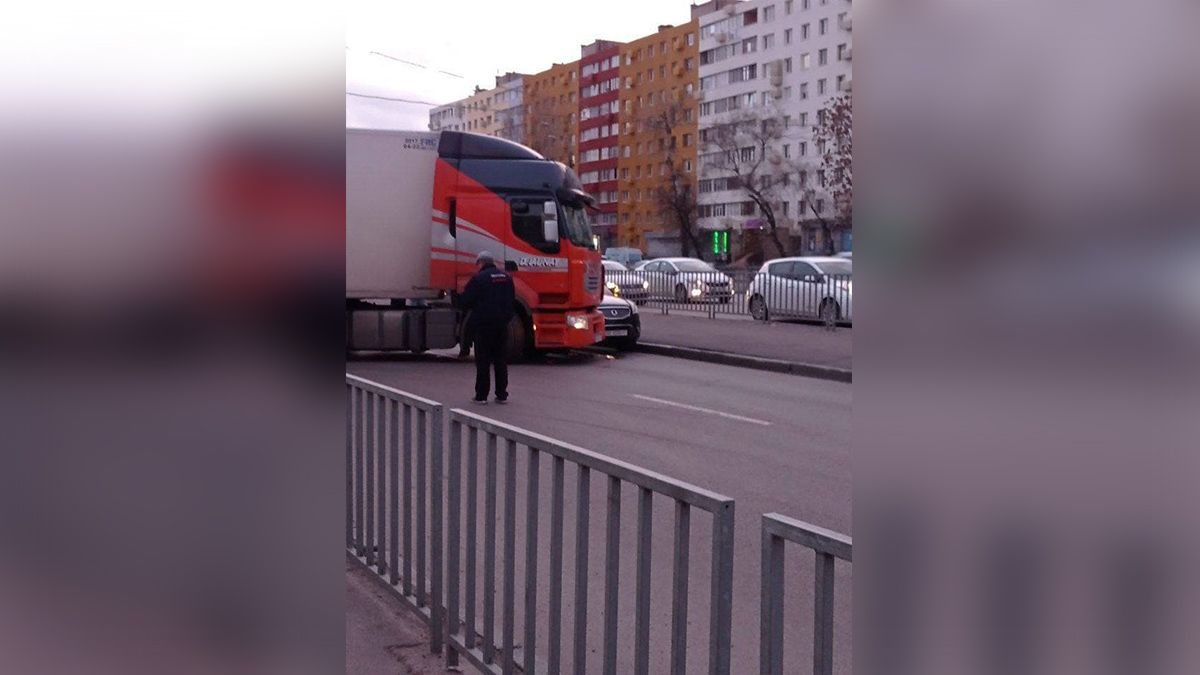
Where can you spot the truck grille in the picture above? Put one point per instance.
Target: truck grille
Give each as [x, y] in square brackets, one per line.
[591, 279]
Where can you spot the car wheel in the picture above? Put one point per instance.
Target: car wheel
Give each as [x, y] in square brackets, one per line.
[758, 308]
[830, 312]
[680, 294]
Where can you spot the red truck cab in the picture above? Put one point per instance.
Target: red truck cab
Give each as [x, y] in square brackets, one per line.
[494, 195]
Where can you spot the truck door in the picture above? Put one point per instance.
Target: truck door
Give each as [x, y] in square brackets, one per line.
[542, 267]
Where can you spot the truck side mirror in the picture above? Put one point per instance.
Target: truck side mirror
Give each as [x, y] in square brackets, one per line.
[550, 222]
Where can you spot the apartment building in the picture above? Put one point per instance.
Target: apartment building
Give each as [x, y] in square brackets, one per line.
[498, 111]
[508, 104]
[599, 87]
[659, 76]
[775, 63]
[551, 116]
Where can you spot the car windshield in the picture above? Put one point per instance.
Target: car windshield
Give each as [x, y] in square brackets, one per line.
[838, 267]
[613, 266]
[694, 266]
[575, 226]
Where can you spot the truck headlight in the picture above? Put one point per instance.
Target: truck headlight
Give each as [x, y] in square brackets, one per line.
[577, 321]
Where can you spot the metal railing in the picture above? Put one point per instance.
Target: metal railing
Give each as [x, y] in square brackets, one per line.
[406, 488]
[827, 546]
[394, 493]
[482, 649]
[761, 295]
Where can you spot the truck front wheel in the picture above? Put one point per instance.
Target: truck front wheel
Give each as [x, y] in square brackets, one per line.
[520, 339]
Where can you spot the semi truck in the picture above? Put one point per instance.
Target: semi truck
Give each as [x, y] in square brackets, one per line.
[421, 206]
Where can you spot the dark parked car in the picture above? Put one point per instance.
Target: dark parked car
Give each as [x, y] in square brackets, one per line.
[622, 282]
[622, 325]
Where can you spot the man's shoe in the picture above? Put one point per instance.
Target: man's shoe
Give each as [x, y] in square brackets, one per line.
[480, 401]
[501, 401]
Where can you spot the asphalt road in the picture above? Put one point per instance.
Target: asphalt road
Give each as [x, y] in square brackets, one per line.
[772, 442]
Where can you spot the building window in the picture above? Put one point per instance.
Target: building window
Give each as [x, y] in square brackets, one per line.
[626, 150]
[841, 82]
[803, 148]
[823, 26]
[687, 165]
[787, 36]
[750, 45]
[805, 4]
[803, 97]
[689, 63]
[803, 181]
[787, 65]
[841, 52]
[769, 13]
[822, 57]
[820, 206]
[768, 41]
[821, 86]
[804, 31]
[691, 39]
[687, 140]
[805, 61]
[787, 6]
[821, 177]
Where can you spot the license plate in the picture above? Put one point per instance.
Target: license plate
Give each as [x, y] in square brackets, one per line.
[617, 332]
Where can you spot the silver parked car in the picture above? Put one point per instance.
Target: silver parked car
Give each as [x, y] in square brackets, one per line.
[686, 280]
[807, 287]
[625, 283]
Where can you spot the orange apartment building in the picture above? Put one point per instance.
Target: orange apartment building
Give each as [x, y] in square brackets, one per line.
[660, 75]
[551, 112]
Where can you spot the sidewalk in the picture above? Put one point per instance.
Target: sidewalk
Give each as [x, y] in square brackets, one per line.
[382, 636]
[796, 342]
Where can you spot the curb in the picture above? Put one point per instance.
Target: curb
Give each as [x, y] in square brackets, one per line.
[744, 361]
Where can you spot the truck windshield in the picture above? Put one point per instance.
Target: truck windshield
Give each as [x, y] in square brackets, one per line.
[576, 227]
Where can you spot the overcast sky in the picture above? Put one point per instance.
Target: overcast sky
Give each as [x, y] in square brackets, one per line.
[460, 43]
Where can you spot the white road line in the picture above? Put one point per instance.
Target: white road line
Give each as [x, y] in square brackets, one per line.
[703, 410]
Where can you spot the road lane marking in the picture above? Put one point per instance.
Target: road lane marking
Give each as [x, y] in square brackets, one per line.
[703, 410]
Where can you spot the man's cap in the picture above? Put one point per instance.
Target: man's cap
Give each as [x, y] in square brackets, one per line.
[483, 257]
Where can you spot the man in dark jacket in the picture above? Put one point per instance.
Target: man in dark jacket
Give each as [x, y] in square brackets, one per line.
[489, 297]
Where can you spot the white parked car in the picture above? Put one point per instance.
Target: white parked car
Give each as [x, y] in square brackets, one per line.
[686, 280]
[806, 287]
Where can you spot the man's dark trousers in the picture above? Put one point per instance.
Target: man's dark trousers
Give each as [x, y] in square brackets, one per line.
[490, 343]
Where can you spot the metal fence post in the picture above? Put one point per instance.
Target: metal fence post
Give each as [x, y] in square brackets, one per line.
[720, 621]
[437, 615]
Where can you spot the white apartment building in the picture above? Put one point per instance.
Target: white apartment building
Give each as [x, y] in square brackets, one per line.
[449, 117]
[780, 59]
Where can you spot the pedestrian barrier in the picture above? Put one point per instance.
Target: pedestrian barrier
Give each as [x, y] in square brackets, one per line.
[463, 636]
[827, 546]
[394, 493]
[406, 487]
[761, 295]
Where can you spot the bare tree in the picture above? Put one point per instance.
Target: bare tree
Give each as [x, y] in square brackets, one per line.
[741, 149]
[548, 132]
[833, 135]
[675, 194]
